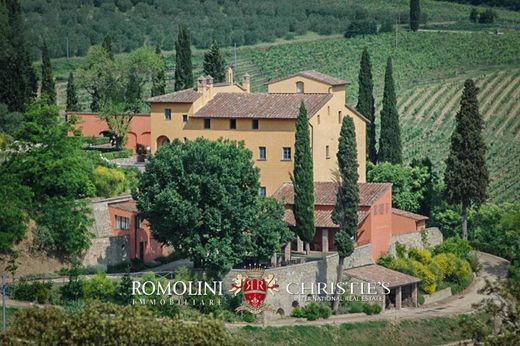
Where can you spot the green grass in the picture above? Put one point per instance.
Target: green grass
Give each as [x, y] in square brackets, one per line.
[433, 331]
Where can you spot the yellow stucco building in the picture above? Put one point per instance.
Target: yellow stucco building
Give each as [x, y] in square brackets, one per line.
[264, 121]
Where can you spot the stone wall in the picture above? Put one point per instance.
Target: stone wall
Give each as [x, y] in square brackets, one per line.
[428, 237]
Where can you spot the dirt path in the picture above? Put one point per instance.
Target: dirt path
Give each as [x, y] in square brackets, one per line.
[493, 267]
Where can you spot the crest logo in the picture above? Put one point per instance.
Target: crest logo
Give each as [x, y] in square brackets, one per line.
[255, 286]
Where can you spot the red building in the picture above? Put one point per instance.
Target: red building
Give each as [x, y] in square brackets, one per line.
[377, 220]
[139, 133]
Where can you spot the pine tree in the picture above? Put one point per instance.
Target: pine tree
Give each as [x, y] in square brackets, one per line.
[48, 86]
[18, 81]
[183, 65]
[159, 79]
[214, 64]
[347, 196]
[72, 98]
[303, 180]
[390, 137]
[415, 14]
[365, 104]
[466, 176]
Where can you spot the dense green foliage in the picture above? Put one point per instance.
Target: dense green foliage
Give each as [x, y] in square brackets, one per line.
[353, 305]
[390, 149]
[202, 198]
[71, 104]
[511, 4]
[48, 87]
[104, 324]
[466, 175]
[303, 180]
[214, 64]
[18, 81]
[312, 311]
[183, 64]
[159, 77]
[415, 14]
[366, 103]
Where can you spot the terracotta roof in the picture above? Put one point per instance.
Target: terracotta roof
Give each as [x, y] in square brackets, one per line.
[322, 218]
[96, 114]
[183, 96]
[129, 206]
[325, 193]
[409, 215]
[261, 105]
[314, 75]
[377, 273]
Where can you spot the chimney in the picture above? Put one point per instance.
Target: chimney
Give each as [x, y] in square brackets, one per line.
[246, 83]
[201, 87]
[229, 75]
[209, 86]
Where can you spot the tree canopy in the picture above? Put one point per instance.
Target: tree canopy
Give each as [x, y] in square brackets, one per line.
[183, 64]
[366, 104]
[214, 63]
[201, 197]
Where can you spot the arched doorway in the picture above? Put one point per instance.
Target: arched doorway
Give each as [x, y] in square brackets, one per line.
[162, 140]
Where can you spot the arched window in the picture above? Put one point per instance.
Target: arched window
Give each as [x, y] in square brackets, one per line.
[162, 140]
[299, 87]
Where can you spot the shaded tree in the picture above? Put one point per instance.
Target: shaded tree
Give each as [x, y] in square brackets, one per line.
[347, 197]
[72, 98]
[365, 103]
[415, 14]
[303, 180]
[390, 135]
[48, 88]
[159, 78]
[466, 176]
[473, 15]
[183, 64]
[214, 64]
[107, 45]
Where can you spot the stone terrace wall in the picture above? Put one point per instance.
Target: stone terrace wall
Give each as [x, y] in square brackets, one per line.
[432, 235]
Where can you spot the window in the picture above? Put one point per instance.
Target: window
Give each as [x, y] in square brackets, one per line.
[207, 123]
[300, 88]
[327, 152]
[232, 124]
[318, 119]
[286, 155]
[185, 118]
[167, 114]
[254, 124]
[328, 110]
[122, 222]
[262, 191]
[340, 118]
[262, 153]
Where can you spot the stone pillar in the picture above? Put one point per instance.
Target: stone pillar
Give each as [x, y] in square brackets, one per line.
[414, 295]
[287, 252]
[324, 240]
[274, 261]
[398, 298]
[299, 244]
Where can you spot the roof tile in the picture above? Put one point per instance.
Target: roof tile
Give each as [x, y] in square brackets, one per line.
[315, 75]
[182, 96]
[377, 273]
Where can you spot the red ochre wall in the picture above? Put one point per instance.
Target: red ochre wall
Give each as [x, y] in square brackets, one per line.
[379, 225]
[139, 133]
[402, 224]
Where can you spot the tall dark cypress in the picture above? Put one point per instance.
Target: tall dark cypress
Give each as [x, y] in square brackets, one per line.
[365, 103]
[214, 63]
[183, 65]
[72, 98]
[390, 149]
[48, 88]
[159, 79]
[303, 180]
[347, 196]
[133, 93]
[466, 177]
[415, 14]
[18, 81]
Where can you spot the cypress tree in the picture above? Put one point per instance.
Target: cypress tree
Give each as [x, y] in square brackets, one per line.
[347, 197]
[390, 136]
[72, 98]
[415, 14]
[48, 86]
[133, 93]
[159, 79]
[107, 44]
[18, 81]
[214, 63]
[183, 65]
[466, 176]
[303, 180]
[365, 103]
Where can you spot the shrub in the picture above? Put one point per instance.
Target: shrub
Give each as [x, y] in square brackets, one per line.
[312, 311]
[108, 181]
[371, 309]
[421, 255]
[99, 288]
[120, 154]
[248, 317]
[455, 245]
[35, 291]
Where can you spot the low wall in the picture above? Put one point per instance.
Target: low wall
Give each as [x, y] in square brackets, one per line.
[428, 237]
[107, 251]
[437, 296]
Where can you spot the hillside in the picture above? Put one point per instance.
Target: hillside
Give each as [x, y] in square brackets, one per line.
[74, 25]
